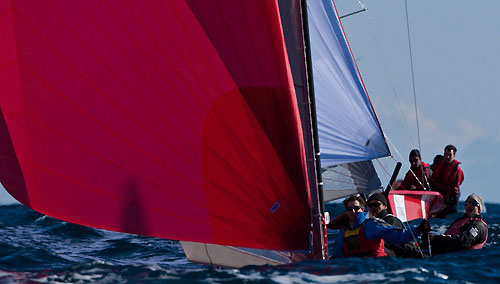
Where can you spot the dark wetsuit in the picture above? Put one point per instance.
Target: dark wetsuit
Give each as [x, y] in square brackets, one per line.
[471, 235]
[404, 250]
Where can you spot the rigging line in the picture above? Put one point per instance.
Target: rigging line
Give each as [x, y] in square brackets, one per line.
[380, 164]
[386, 68]
[363, 9]
[415, 239]
[408, 227]
[407, 223]
[412, 75]
[361, 4]
[383, 168]
[208, 255]
[396, 149]
[404, 161]
[407, 163]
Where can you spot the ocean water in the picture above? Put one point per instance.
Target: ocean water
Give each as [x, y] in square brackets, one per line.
[38, 249]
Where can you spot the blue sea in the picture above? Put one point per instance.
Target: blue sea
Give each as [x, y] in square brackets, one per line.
[35, 248]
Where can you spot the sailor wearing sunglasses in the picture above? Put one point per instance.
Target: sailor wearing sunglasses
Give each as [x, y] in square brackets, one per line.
[467, 232]
[364, 236]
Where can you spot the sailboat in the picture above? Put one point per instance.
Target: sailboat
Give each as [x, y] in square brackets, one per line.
[207, 122]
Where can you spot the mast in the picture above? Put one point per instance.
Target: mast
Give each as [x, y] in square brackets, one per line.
[317, 203]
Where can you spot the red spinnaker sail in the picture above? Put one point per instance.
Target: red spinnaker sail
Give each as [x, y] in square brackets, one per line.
[173, 119]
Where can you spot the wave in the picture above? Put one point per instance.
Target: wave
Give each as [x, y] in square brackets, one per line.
[40, 249]
[64, 229]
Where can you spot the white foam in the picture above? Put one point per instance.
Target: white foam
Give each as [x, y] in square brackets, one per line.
[13, 277]
[302, 277]
[250, 276]
[440, 275]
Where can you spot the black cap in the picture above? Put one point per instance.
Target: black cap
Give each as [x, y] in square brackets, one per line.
[379, 197]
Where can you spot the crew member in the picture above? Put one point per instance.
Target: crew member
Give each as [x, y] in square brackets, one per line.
[468, 232]
[446, 179]
[435, 162]
[417, 177]
[377, 206]
[364, 236]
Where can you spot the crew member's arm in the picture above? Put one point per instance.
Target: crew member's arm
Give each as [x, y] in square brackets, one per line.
[426, 171]
[339, 223]
[406, 183]
[393, 221]
[393, 235]
[338, 249]
[458, 178]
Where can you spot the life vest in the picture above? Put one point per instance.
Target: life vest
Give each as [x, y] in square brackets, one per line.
[356, 244]
[454, 229]
[444, 177]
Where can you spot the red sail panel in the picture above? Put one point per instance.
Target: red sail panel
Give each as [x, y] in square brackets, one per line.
[408, 205]
[162, 118]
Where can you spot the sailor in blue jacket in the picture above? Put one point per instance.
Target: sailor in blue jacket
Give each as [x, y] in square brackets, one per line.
[364, 236]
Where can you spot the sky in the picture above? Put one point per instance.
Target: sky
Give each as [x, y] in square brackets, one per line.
[456, 58]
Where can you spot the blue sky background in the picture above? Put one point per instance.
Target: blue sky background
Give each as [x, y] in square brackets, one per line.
[456, 56]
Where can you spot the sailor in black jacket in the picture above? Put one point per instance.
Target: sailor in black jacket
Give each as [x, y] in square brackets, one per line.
[377, 204]
[467, 232]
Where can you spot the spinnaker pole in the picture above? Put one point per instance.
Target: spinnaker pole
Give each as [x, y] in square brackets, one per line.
[353, 13]
[391, 181]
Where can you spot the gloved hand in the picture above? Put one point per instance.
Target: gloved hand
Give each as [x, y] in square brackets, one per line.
[424, 227]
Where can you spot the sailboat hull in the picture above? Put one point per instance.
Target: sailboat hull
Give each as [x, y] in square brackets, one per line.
[235, 257]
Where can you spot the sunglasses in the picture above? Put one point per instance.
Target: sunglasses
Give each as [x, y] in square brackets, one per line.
[473, 203]
[376, 204]
[355, 208]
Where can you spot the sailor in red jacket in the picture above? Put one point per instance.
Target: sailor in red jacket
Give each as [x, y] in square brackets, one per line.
[446, 179]
[466, 233]
[417, 178]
